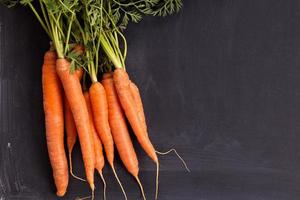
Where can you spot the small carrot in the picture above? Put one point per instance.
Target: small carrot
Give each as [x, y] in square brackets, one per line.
[99, 158]
[73, 92]
[119, 129]
[54, 118]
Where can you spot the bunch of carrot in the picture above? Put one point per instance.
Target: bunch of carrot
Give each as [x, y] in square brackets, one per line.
[86, 89]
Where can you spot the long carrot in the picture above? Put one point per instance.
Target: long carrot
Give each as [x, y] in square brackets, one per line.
[100, 115]
[53, 108]
[122, 84]
[119, 129]
[140, 111]
[70, 126]
[79, 110]
[99, 158]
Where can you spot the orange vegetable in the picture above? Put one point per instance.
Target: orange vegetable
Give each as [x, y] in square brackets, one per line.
[73, 92]
[119, 129]
[54, 119]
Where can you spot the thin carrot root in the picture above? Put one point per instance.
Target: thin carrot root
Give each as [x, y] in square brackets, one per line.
[83, 198]
[71, 169]
[121, 186]
[93, 194]
[104, 186]
[156, 182]
[141, 187]
[181, 159]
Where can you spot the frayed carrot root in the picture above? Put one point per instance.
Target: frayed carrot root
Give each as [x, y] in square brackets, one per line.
[71, 169]
[177, 154]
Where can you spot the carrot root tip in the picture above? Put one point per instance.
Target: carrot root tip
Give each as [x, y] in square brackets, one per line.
[177, 154]
[104, 185]
[156, 181]
[118, 180]
[141, 187]
[71, 169]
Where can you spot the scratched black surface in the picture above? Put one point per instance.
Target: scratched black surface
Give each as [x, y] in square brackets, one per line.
[220, 82]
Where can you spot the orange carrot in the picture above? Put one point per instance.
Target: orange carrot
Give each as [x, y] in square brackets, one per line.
[69, 120]
[139, 104]
[79, 110]
[99, 158]
[71, 133]
[119, 129]
[140, 111]
[100, 113]
[122, 84]
[70, 128]
[54, 118]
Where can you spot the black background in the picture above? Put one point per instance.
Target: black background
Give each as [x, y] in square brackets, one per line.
[220, 83]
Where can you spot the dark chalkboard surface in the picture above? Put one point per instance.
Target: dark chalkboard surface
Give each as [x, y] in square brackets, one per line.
[220, 82]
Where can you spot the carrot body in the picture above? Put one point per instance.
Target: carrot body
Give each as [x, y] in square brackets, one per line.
[118, 126]
[99, 159]
[72, 88]
[122, 84]
[100, 113]
[70, 126]
[54, 118]
[139, 104]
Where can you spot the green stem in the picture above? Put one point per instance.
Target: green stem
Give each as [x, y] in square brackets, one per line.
[69, 33]
[39, 19]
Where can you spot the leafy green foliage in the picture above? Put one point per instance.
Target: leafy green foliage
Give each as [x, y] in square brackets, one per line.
[25, 2]
[123, 11]
[164, 8]
[9, 3]
[77, 60]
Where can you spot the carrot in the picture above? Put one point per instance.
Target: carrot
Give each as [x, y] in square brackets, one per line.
[100, 115]
[99, 158]
[122, 84]
[73, 92]
[119, 129]
[53, 108]
[140, 111]
[70, 127]
[139, 104]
